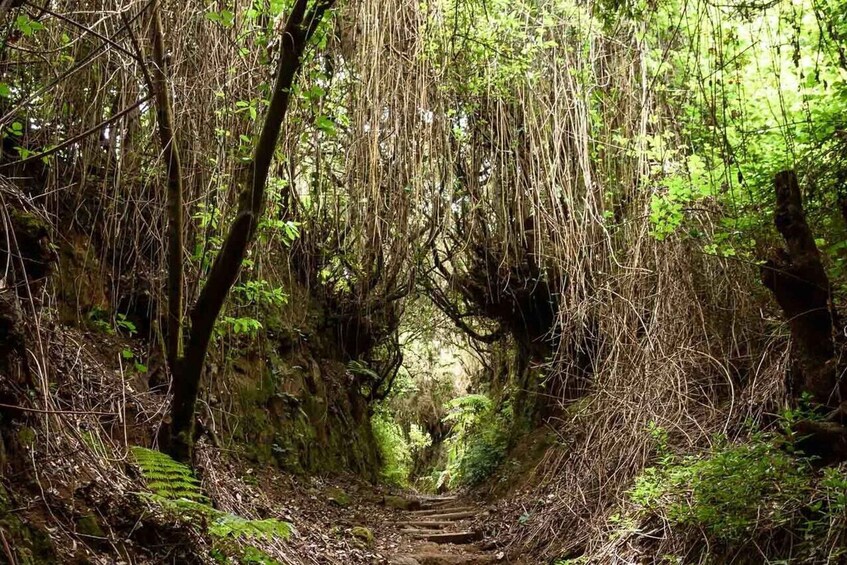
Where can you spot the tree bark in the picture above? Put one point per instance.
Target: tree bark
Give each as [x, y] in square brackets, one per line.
[300, 27]
[796, 277]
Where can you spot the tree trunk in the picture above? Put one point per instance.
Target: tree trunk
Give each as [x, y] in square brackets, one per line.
[796, 277]
[300, 27]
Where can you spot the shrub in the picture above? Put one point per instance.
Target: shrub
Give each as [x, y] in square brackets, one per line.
[728, 491]
[419, 438]
[485, 450]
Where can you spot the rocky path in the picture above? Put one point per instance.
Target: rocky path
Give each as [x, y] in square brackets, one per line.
[440, 532]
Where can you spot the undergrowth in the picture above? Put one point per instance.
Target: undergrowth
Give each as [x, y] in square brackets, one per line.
[168, 479]
[479, 440]
[394, 451]
[397, 448]
[178, 494]
[730, 490]
[753, 495]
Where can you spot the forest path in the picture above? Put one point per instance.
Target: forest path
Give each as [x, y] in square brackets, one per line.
[440, 532]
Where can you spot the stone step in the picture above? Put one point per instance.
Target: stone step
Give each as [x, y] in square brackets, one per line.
[429, 505]
[447, 516]
[432, 524]
[438, 558]
[417, 531]
[446, 537]
[441, 559]
[437, 497]
[446, 510]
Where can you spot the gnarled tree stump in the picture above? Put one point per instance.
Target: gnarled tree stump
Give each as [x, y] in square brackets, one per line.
[797, 278]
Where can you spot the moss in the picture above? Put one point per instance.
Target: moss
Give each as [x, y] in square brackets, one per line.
[338, 497]
[293, 413]
[79, 282]
[88, 525]
[31, 545]
[26, 437]
[28, 222]
[31, 236]
[253, 387]
[363, 535]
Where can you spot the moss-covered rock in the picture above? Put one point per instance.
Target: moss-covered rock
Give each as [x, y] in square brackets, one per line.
[401, 503]
[80, 285]
[26, 437]
[363, 535]
[31, 239]
[31, 545]
[338, 497]
[298, 413]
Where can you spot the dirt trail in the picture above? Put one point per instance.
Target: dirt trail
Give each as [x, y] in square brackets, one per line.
[440, 531]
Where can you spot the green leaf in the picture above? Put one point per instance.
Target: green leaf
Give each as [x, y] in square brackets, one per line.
[223, 18]
[27, 25]
[315, 93]
[325, 124]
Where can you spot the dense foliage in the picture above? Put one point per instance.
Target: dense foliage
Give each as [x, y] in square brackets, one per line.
[400, 238]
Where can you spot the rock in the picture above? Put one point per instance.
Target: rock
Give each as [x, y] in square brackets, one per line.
[437, 558]
[363, 534]
[32, 545]
[403, 560]
[12, 338]
[30, 245]
[26, 437]
[338, 497]
[401, 503]
[446, 516]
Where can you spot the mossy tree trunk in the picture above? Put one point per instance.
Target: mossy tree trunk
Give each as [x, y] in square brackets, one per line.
[170, 152]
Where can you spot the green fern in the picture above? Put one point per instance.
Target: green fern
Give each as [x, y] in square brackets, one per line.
[167, 478]
[230, 525]
[177, 491]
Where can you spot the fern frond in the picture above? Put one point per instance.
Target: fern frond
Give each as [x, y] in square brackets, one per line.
[177, 491]
[166, 477]
[230, 525]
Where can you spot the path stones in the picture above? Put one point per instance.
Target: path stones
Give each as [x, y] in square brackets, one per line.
[447, 516]
[438, 522]
[403, 560]
[443, 510]
[462, 537]
[438, 557]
